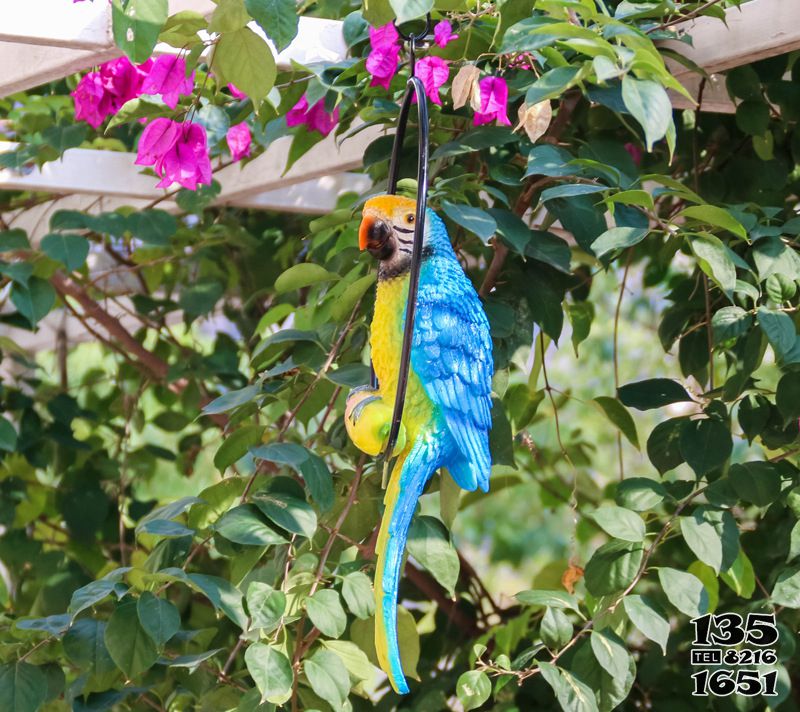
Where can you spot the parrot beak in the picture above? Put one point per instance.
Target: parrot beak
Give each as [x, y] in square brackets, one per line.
[373, 235]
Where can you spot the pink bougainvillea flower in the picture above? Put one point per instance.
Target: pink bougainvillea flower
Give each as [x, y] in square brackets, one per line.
[236, 92]
[635, 152]
[102, 93]
[239, 140]
[187, 163]
[493, 102]
[434, 72]
[443, 33]
[178, 153]
[317, 118]
[167, 77]
[297, 114]
[384, 56]
[92, 104]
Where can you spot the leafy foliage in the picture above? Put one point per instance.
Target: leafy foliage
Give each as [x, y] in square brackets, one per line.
[184, 522]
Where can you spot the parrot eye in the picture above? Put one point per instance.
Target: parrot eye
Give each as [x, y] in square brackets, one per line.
[410, 218]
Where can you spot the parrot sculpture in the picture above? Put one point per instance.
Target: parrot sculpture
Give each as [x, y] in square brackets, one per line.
[447, 414]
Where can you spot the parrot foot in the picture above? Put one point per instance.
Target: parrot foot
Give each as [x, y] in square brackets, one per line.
[368, 420]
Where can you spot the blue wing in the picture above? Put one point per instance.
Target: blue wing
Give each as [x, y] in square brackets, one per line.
[452, 356]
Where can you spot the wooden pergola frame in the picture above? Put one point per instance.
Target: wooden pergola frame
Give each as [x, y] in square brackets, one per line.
[58, 38]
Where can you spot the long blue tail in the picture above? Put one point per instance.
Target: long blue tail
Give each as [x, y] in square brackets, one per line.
[411, 471]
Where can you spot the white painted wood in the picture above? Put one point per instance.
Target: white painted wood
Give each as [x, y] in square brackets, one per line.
[33, 53]
[55, 23]
[755, 30]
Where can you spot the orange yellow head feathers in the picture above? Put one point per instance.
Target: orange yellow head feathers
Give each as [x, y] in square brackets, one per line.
[381, 215]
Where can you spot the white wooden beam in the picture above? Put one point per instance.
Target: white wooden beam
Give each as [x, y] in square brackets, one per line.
[111, 173]
[266, 173]
[45, 40]
[755, 30]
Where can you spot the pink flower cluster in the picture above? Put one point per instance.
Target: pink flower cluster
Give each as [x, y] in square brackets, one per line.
[102, 93]
[239, 140]
[443, 33]
[316, 117]
[177, 151]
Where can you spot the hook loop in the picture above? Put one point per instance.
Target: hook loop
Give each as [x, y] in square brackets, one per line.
[411, 37]
[414, 88]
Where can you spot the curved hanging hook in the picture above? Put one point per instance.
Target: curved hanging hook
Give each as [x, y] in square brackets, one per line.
[414, 88]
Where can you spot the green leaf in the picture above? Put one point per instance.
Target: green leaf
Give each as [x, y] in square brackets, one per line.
[270, 670]
[787, 396]
[153, 227]
[229, 16]
[290, 513]
[158, 617]
[128, 643]
[740, 577]
[581, 315]
[652, 393]
[23, 687]
[475, 220]
[752, 117]
[663, 445]
[12, 240]
[278, 19]
[786, 591]
[618, 238]
[302, 275]
[266, 606]
[640, 493]
[355, 660]
[232, 399]
[714, 259]
[236, 445]
[473, 689]
[406, 10]
[609, 691]
[730, 323]
[136, 25]
[326, 612]
[91, 593]
[245, 525]
[555, 629]
[619, 416]
[684, 591]
[244, 59]
[613, 567]
[648, 618]
[311, 466]
[328, 677]
[551, 84]
[773, 256]
[547, 160]
[572, 694]
[429, 543]
[200, 298]
[358, 594]
[714, 216]
[85, 646]
[223, 595]
[609, 650]
[756, 482]
[8, 436]
[619, 522]
[181, 30]
[650, 106]
[551, 599]
[70, 250]
[35, 300]
[713, 536]
[779, 330]
[705, 444]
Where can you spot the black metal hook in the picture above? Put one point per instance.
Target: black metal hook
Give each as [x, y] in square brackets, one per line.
[414, 88]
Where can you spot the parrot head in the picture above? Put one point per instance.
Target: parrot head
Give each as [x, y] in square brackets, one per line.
[387, 230]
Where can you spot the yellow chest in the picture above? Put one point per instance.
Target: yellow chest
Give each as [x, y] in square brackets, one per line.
[386, 342]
